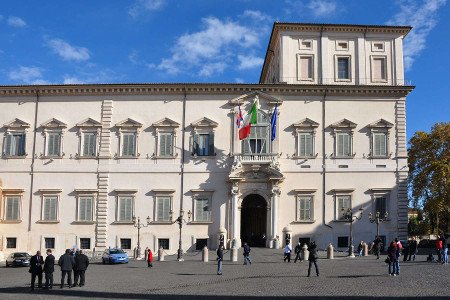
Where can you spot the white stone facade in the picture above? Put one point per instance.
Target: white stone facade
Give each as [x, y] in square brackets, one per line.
[94, 156]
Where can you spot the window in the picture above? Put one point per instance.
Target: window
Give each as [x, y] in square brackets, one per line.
[343, 144]
[125, 244]
[125, 208]
[342, 45]
[163, 208]
[305, 208]
[15, 144]
[49, 243]
[379, 69]
[305, 144]
[204, 144]
[163, 243]
[258, 140]
[54, 144]
[202, 211]
[50, 208]
[11, 243]
[342, 241]
[305, 44]
[128, 144]
[343, 69]
[305, 67]
[378, 46]
[12, 208]
[381, 205]
[343, 204]
[89, 144]
[379, 144]
[85, 208]
[166, 144]
[85, 243]
[200, 244]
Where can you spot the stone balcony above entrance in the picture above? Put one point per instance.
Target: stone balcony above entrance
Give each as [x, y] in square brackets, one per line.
[255, 159]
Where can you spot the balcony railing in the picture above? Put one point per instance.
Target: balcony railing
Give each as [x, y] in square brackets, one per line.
[256, 158]
[351, 81]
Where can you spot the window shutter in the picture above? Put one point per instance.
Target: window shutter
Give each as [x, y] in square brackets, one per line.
[160, 209]
[132, 145]
[340, 145]
[50, 144]
[169, 141]
[82, 216]
[122, 209]
[308, 145]
[346, 143]
[53, 209]
[89, 204]
[57, 144]
[162, 144]
[86, 142]
[211, 144]
[125, 142]
[166, 208]
[21, 145]
[8, 144]
[195, 145]
[46, 209]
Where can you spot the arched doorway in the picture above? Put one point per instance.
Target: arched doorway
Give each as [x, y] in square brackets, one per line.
[254, 220]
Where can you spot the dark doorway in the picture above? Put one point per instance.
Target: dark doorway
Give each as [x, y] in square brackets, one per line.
[254, 220]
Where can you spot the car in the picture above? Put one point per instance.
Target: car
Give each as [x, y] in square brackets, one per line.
[114, 256]
[18, 259]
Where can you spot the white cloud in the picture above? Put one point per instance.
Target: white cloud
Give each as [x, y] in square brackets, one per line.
[16, 22]
[322, 8]
[144, 6]
[67, 51]
[212, 49]
[249, 62]
[423, 17]
[239, 80]
[27, 75]
[91, 76]
[256, 15]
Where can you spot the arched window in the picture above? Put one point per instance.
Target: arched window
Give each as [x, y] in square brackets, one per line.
[258, 140]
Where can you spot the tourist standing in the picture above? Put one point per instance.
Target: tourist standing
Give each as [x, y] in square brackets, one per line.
[149, 258]
[66, 262]
[313, 256]
[444, 249]
[287, 252]
[439, 249]
[36, 263]
[377, 246]
[393, 254]
[219, 260]
[298, 252]
[247, 254]
[412, 249]
[49, 268]
[81, 265]
[360, 248]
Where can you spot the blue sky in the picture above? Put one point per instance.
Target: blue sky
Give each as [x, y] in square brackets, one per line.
[136, 41]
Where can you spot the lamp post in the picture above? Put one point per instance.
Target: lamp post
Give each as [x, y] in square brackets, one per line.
[350, 217]
[378, 219]
[180, 221]
[137, 223]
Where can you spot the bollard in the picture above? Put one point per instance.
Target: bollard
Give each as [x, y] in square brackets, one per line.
[161, 254]
[205, 254]
[330, 251]
[305, 252]
[365, 249]
[276, 244]
[234, 254]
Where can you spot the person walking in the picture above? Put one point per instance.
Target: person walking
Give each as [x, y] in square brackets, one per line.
[81, 265]
[405, 251]
[219, 260]
[287, 252]
[36, 263]
[439, 249]
[66, 262]
[393, 255]
[246, 253]
[313, 256]
[360, 248]
[298, 252]
[413, 249]
[149, 258]
[49, 268]
[377, 246]
[444, 249]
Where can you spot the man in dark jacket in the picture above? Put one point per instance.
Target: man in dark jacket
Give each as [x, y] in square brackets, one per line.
[81, 264]
[298, 252]
[247, 250]
[49, 268]
[313, 256]
[36, 263]
[219, 260]
[412, 249]
[66, 262]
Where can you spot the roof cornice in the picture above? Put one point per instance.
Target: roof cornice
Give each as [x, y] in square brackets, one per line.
[202, 88]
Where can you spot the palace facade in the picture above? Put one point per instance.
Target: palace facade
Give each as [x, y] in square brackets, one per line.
[80, 163]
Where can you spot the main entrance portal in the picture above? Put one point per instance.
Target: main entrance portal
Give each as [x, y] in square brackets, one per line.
[254, 221]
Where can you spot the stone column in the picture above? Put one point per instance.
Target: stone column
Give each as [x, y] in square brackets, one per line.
[275, 193]
[235, 239]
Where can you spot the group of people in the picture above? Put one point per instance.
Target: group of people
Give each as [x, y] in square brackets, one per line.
[71, 261]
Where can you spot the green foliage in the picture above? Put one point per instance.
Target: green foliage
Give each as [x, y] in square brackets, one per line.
[429, 177]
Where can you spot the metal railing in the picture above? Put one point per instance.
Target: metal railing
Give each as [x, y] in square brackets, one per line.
[259, 158]
[350, 81]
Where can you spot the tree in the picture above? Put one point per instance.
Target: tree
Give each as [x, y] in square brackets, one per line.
[429, 177]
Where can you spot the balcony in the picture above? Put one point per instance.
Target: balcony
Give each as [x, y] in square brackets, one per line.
[255, 159]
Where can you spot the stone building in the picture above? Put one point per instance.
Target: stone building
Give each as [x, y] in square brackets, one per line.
[80, 161]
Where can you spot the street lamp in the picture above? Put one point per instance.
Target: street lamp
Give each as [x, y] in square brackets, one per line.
[180, 221]
[350, 217]
[137, 223]
[378, 219]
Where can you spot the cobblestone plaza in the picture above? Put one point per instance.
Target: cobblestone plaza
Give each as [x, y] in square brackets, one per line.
[268, 276]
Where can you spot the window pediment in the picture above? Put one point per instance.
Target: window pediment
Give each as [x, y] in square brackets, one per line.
[381, 123]
[53, 124]
[343, 124]
[129, 123]
[306, 123]
[271, 100]
[166, 123]
[16, 124]
[89, 122]
[204, 123]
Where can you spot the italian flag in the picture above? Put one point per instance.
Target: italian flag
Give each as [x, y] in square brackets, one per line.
[249, 119]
